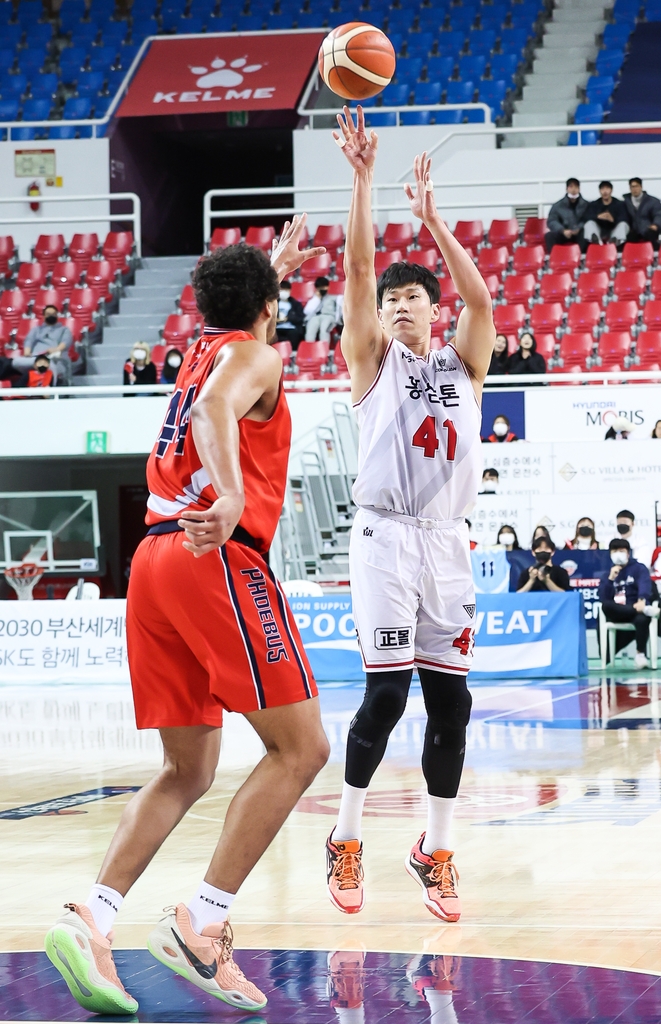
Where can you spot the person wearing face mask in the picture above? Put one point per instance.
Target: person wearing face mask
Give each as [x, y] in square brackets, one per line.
[584, 538]
[625, 595]
[40, 374]
[490, 479]
[291, 318]
[625, 526]
[543, 575]
[567, 217]
[501, 431]
[320, 312]
[139, 369]
[173, 360]
[52, 339]
[508, 539]
[526, 359]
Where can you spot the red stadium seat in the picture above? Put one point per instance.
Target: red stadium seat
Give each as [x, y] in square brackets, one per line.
[261, 237]
[30, 277]
[621, 316]
[383, 260]
[528, 259]
[331, 236]
[492, 281]
[285, 350]
[65, 276]
[576, 348]
[335, 288]
[534, 230]
[583, 316]
[427, 258]
[546, 317]
[100, 275]
[648, 345]
[601, 257]
[449, 294]
[49, 249]
[468, 232]
[302, 290]
[647, 366]
[187, 303]
[593, 286]
[48, 297]
[83, 248]
[504, 232]
[651, 314]
[556, 287]
[311, 356]
[23, 328]
[509, 319]
[222, 237]
[492, 261]
[179, 329]
[7, 253]
[575, 369]
[630, 284]
[519, 288]
[546, 345]
[318, 266]
[655, 285]
[77, 327]
[564, 257]
[614, 347]
[118, 247]
[83, 302]
[637, 255]
[339, 361]
[158, 354]
[437, 342]
[425, 239]
[339, 266]
[444, 322]
[397, 236]
[13, 305]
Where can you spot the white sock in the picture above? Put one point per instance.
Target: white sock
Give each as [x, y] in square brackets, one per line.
[209, 906]
[349, 820]
[104, 903]
[439, 824]
[441, 1006]
[350, 1014]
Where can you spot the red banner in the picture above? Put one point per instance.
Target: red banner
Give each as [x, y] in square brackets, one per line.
[210, 73]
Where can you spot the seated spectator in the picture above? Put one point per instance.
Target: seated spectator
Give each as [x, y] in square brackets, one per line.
[508, 539]
[644, 213]
[490, 480]
[625, 595]
[656, 432]
[584, 538]
[539, 531]
[543, 575]
[499, 356]
[138, 368]
[526, 359]
[619, 429]
[291, 318]
[173, 361]
[501, 431]
[606, 218]
[625, 525]
[39, 376]
[320, 312]
[566, 218]
[51, 339]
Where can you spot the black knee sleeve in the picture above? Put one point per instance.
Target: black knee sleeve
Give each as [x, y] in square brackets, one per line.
[383, 706]
[448, 704]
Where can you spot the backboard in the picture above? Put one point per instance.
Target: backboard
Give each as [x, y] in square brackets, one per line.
[57, 529]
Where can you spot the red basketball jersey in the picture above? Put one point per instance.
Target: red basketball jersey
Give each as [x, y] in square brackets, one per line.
[176, 478]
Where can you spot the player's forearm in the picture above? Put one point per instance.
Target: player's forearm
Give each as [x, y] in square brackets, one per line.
[467, 279]
[216, 435]
[359, 247]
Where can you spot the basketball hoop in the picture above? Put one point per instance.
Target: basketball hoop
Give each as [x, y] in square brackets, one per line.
[23, 579]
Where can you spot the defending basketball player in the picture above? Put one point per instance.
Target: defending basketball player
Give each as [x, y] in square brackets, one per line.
[209, 629]
[420, 464]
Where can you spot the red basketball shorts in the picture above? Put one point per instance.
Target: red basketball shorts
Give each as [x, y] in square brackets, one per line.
[207, 634]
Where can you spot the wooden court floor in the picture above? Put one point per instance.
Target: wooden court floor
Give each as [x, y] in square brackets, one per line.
[557, 835]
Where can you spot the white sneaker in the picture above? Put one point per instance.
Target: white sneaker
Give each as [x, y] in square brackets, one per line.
[640, 661]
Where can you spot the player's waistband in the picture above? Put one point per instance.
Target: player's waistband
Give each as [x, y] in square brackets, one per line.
[424, 522]
[240, 535]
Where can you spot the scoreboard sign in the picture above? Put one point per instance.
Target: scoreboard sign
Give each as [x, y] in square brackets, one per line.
[34, 163]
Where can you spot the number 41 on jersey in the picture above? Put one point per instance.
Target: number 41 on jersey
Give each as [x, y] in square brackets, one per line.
[426, 438]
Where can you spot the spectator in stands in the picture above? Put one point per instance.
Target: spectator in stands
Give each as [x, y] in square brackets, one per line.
[539, 531]
[291, 318]
[584, 538]
[54, 340]
[508, 539]
[625, 524]
[619, 430]
[526, 359]
[543, 575]
[138, 368]
[624, 596]
[320, 312]
[490, 480]
[644, 213]
[173, 361]
[656, 432]
[499, 356]
[40, 375]
[501, 431]
[606, 218]
[567, 217]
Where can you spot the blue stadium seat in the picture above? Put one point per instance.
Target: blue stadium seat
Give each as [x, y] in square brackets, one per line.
[12, 86]
[461, 19]
[626, 10]
[396, 95]
[9, 110]
[77, 109]
[376, 120]
[492, 22]
[309, 19]
[439, 69]
[12, 35]
[76, 56]
[609, 62]
[126, 55]
[408, 69]
[416, 117]
[448, 116]
[396, 38]
[653, 10]
[481, 41]
[251, 23]
[459, 92]
[38, 33]
[504, 65]
[31, 61]
[202, 9]
[7, 59]
[420, 44]
[192, 25]
[143, 27]
[114, 80]
[588, 113]
[90, 83]
[276, 22]
[101, 105]
[514, 40]
[26, 134]
[588, 139]
[62, 131]
[475, 116]
[428, 21]
[451, 44]
[427, 92]
[493, 93]
[616, 36]
[398, 20]
[36, 110]
[471, 68]
[599, 89]
[71, 12]
[113, 33]
[102, 58]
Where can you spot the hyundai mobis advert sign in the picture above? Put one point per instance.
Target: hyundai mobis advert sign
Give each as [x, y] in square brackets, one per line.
[210, 73]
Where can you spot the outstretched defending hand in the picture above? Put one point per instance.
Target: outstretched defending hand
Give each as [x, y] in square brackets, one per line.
[286, 257]
[357, 146]
[423, 204]
[209, 530]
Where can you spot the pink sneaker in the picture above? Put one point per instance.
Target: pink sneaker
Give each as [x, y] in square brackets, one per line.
[438, 877]
[344, 874]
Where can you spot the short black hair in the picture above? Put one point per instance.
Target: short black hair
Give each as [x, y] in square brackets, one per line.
[286, 284]
[639, 181]
[42, 355]
[502, 416]
[491, 472]
[619, 542]
[626, 513]
[233, 285]
[543, 540]
[321, 282]
[606, 184]
[398, 275]
[572, 181]
[51, 305]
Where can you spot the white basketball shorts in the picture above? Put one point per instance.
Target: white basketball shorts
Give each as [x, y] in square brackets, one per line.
[412, 591]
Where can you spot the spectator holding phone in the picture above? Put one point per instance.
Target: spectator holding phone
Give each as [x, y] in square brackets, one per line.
[543, 575]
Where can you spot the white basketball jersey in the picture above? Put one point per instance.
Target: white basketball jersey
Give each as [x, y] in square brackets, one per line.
[420, 450]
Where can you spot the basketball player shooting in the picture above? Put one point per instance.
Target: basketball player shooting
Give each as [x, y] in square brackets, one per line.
[419, 469]
[209, 629]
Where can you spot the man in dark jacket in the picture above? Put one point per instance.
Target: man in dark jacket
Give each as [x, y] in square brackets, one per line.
[625, 594]
[644, 213]
[291, 320]
[606, 218]
[566, 218]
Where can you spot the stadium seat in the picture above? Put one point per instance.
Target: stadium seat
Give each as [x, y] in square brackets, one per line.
[187, 303]
[609, 62]
[425, 93]
[90, 84]
[118, 247]
[8, 253]
[599, 89]
[83, 247]
[616, 36]
[451, 44]
[460, 92]
[534, 231]
[13, 305]
[622, 316]
[493, 283]
[407, 72]
[383, 260]
[601, 257]
[312, 356]
[574, 369]
[593, 286]
[261, 237]
[420, 44]
[21, 330]
[331, 236]
[546, 344]
[47, 297]
[583, 316]
[469, 233]
[179, 329]
[302, 290]
[565, 257]
[100, 275]
[482, 41]
[509, 319]
[36, 110]
[556, 287]
[652, 315]
[83, 303]
[9, 110]
[27, 134]
[504, 232]
[427, 258]
[492, 261]
[648, 345]
[12, 87]
[426, 240]
[614, 347]
[655, 284]
[318, 266]
[637, 255]
[66, 275]
[528, 259]
[630, 284]
[30, 277]
[62, 131]
[439, 69]
[519, 288]
[504, 66]
[49, 249]
[284, 349]
[546, 317]
[158, 354]
[396, 236]
[222, 237]
[576, 347]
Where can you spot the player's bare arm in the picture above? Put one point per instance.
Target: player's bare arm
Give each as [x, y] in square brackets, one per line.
[476, 333]
[364, 340]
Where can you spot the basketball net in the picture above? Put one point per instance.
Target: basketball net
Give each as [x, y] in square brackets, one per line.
[23, 579]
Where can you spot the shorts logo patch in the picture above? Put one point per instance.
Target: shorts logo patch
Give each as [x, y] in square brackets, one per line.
[275, 648]
[470, 609]
[391, 639]
[367, 531]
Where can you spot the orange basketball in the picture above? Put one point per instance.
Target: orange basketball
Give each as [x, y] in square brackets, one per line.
[356, 60]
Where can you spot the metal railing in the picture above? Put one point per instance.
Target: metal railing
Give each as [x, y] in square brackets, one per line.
[134, 217]
[398, 111]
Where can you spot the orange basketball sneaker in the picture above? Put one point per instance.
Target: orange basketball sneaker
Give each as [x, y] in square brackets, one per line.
[438, 877]
[345, 874]
[346, 979]
[206, 960]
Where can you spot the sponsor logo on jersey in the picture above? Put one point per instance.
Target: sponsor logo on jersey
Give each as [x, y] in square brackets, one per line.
[275, 648]
[390, 638]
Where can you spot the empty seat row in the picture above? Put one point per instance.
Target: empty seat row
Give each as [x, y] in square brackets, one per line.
[51, 251]
[592, 317]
